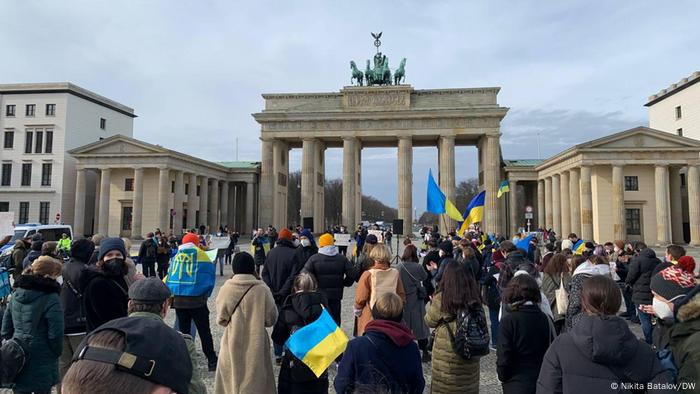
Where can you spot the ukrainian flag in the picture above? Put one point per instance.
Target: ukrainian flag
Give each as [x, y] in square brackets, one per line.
[318, 344]
[438, 202]
[503, 188]
[474, 212]
[578, 247]
[191, 272]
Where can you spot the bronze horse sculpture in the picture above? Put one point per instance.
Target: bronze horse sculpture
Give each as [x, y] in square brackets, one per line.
[356, 74]
[400, 73]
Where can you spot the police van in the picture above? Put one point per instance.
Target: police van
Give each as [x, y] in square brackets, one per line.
[50, 232]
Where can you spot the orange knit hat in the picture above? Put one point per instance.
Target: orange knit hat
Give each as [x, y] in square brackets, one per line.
[191, 238]
[326, 240]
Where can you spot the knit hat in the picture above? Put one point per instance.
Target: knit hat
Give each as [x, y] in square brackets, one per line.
[687, 263]
[285, 234]
[149, 291]
[109, 244]
[371, 239]
[446, 246]
[307, 233]
[191, 238]
[243, 263]
[82, 249]
[326, 240]
[672, 282]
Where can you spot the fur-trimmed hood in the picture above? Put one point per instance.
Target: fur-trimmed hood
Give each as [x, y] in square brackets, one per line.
[690, 310]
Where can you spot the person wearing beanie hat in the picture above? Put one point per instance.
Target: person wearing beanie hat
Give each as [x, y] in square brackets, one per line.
[667, 287]
[371, 239]
[244, 307]
[687, 263]
[191, 238]
[285, 234]
[326, 240]
[306, 248]
[34, 250]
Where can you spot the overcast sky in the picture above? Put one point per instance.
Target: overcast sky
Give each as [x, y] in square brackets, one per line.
[195, 70]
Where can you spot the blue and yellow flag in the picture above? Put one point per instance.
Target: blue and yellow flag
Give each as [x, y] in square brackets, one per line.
[578, 247]
[503, 188]
[438, 203]
[318, 344]
[191, 272]
[474, 212]
[524, 243]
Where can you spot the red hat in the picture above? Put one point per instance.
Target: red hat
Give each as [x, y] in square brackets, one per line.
[687, 263]
[191, 238]
[285, 234]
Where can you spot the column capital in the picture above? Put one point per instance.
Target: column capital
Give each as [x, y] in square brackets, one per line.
[349, 138]
[405, 137]
[661, 165]
[447, 137]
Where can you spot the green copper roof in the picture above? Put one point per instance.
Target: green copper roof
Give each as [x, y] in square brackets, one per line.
[239, 164]
[522, 163]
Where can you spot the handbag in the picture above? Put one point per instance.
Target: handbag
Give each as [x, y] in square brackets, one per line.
[14, 352]
[562, 297]
[421, 292]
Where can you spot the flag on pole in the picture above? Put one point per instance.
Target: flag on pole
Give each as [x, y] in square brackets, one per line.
[438, 203]
[474, 212]
[318, 344]
[578, 247]
[503, 188]
[524, 243]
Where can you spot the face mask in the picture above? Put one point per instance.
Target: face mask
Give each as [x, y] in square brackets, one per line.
[661, 309]
[60, 279]
[305, 243]
[296, 242]
[441, 253]
[114, 267]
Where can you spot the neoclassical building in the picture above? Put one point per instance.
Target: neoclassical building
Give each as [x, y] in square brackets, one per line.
[141, 187]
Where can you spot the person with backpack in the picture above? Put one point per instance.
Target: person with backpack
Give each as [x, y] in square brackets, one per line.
[412, 277]
[385, 359]
[556, 279]
[379, 279]
[34, 317]
[641, 269]
[18, 254]
[34, 251]
[592, 265]
[245, 307]
[148, 254]
[457, 293]
[523, 338]
[600, 352]
[302, 307]
[72, 301]
[162, 256]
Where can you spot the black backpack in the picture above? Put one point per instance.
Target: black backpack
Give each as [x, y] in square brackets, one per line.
[472, 336]
[151, 251]
[14, 352]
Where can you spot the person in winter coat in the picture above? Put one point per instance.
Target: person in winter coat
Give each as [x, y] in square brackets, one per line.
[148, 254]
[556, 275]
[515, 259]
[35, 250]
[466, 256]
[364, 262]
[668, 287]
[684, 339]
[431, 259]
[72, 302]
[379, 279]
[245, 307]
[412, 277]
[35, 313]
[162, 256]
[96, 239]
[385, 359]
[304, 306]
[523, 338]
[592, 266]
[600, 352]
[445, 251]
[307, 247]
[18, 254]
[233, 240]
[333, 271]
[105, 292]
[258, 242]
[457, 291]
[639, 277]
[492, 294]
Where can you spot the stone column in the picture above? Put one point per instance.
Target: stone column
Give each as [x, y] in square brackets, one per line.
[267, 183]
[676, 205]
[694, 204]
[513, 206]
[191, 206]
[307, 178]
[178, 201]
[556, 206]
[280, 163]
[575, 195]
[96, 215]
[79, 212]
[548, 203]
[164, 199]
[618, 203]
[586, 204]
[104, 201]
[406, 183]
[447, 176]
[565, 202]
[214, 206]
[349, 181]
[319, 185]
[249, 199]
[137, 203]
[204, 202]
[492, 165]
[358, 182]
[663, 213]
[540, 204]
[223, 206]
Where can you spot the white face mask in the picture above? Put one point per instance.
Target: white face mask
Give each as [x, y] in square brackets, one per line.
[296, 242]
[60, 279]
[305, 243]
[661, 309]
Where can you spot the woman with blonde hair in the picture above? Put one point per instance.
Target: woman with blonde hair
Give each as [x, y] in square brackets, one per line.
[377, 280]
[35, 314]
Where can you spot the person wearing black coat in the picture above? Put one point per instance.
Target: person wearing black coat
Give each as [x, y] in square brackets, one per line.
[639, 275]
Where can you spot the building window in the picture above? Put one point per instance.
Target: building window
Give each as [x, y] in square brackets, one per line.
[49, 142]
[4, 206]
[633, 221]
[679, 132]
[29, 109]
[187, 189]
[631, 183]
[6, 174]
[682, 180]
[24, 211]
[50, 109]
[199, 188]
[26, 174]
[129, 184]
[103, 123]
[39, 141]
[44, 212]
[9, 140]
[679, 112]
[10, 110]
[172, 187]
[46, 174]
[127, 218]
[28, 142]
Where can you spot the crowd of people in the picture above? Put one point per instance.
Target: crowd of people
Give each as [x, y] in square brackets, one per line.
[556, 312]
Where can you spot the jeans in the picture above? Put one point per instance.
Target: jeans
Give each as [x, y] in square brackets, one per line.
[493, 316]
[163, 269]
[200, 316]
[278, 349]
[149, 268]
[221, 260]
[193, 327]
[645, 321]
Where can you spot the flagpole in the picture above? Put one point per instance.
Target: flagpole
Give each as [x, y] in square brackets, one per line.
[444, 221]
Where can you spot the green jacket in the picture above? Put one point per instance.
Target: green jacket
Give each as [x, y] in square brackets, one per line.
[64, 244]
[46, 344]
[196, 384]
[685, 342]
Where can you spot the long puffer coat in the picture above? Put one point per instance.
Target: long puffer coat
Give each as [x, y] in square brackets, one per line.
[685, 340]
[41, 371]
[641, 269]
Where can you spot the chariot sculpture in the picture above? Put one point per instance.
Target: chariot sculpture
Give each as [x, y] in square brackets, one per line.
[380, 74]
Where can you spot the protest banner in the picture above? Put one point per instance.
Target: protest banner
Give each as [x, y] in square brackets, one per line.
[219, 243]
[341, 239]
[7, 225]
[379, 234]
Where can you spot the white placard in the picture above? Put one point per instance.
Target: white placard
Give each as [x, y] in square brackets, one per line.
[7, 225]
[379, 234]
[219, 243]
[342, 239]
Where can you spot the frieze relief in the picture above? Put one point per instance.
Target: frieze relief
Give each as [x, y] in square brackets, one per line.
[381, 124]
